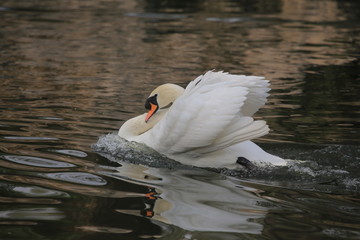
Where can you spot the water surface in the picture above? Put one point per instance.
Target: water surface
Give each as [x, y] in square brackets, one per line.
[73, 71]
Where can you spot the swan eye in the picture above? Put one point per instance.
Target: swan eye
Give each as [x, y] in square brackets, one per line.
[153, 100]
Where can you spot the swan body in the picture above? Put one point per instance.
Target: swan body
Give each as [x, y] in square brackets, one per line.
[207, 124]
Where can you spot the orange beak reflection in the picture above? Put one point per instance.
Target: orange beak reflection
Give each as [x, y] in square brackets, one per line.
[151, 112]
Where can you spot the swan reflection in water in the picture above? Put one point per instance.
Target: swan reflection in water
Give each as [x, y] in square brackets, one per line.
[197, 200]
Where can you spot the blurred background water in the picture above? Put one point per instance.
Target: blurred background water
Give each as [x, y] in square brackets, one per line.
[72, 71]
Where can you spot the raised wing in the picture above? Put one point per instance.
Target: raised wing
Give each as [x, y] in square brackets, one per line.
[258, 88]
[210, 115]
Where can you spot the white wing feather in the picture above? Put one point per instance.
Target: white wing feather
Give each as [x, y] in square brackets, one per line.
[213, 113]
[258, 88]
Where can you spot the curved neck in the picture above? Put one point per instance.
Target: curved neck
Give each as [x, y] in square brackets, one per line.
[137, 125]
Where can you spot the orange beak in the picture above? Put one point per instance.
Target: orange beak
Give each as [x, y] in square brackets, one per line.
[151, 112]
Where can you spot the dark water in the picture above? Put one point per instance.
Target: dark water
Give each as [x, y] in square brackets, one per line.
[72, 71]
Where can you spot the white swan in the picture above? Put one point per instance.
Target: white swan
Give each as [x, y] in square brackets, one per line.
[208, 124]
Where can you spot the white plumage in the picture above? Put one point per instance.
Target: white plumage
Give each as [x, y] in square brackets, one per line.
[209, 124]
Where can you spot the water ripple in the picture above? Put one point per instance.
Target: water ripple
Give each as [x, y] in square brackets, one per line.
[104, 229]
[37, 161]
[70, 152]
[166, 16]
[78, 177]
[228, 20]
[31, 138]
[46, 213]
[35, 191]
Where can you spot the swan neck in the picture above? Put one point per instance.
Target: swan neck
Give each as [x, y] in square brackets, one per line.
[136, 126]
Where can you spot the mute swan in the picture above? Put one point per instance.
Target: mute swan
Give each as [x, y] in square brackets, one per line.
[208, 124]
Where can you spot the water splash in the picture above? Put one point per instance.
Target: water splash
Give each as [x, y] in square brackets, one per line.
[118, 149]
[328, 168]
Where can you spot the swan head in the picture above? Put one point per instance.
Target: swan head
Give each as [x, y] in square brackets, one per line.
[162, 98]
